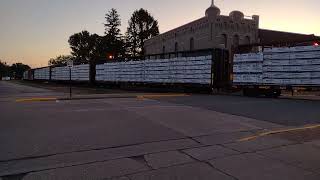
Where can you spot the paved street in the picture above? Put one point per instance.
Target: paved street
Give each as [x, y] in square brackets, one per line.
[281, 111]
[196, 137]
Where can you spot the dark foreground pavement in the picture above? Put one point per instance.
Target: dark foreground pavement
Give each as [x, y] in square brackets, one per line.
[178, 138]
[290, 112]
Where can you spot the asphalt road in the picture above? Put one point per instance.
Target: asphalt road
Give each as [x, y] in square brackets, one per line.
[281, 111]
[161, 138]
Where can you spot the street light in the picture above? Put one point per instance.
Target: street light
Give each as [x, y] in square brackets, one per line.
[110, 56]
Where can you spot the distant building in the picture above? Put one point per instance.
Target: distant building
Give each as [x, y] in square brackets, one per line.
[211, 31]
[220, 31]
[271, 37]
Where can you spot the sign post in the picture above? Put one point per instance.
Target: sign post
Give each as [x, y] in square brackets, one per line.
[70, 65]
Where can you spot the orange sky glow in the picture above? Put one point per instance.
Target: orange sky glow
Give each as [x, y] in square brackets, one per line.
[34, 31]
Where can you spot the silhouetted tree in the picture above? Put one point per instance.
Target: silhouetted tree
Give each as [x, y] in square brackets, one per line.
[4, 69]
[113, 23]
[113, 39]
[18, 69]
[142, 26]
[83, 46]
[87, 47]
[60, 60]
[132, 40]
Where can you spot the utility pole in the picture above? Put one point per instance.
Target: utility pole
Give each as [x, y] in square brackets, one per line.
[70, 65]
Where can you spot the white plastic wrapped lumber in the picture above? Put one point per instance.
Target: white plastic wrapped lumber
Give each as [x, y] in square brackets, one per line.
[305, 48]
[276, 62]
[198, 69]
[247, 78]
[42, 74]
[305, 55]
[272, 75]
[279, 56]
[277, 50]
[248, 67]
[250, 57]
[302, 68]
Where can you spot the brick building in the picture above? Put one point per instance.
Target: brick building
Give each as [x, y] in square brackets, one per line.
[220, 31]
[211, 31]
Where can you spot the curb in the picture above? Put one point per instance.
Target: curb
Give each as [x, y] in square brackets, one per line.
[272, 132]
[88, 98]
[36, 99]
[301, 99]
[148, 96]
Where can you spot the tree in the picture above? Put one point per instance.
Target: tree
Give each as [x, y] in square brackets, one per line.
[132, 40]
[113, 39]
[83, 46]
[113, 23]
[15, 70]
[104, 47]
[115, 48]
[87, 48]
[60, 60]
[4, 69]
[18, 69]
[142, 26]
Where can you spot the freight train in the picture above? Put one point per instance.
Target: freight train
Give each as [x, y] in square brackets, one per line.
[263, 71]
[188, 70]
[275, 69]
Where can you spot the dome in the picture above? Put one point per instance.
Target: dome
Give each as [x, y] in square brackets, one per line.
[236, 15]
[213, 10]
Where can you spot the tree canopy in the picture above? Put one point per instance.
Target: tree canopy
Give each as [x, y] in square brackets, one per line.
[83, 46]
[18, 69]
[114, 40]
[113, 23]
[4, 69]
[15, 70]
[142, 26]
[60, 60]
[86, 47]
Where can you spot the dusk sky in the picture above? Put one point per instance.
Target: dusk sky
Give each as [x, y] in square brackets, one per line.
[33, 31]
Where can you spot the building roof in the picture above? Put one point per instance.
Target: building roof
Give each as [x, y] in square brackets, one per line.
[272, 37]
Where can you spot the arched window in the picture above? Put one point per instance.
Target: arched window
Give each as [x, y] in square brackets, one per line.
[224, 40]
[191, 44]
[163, 50]
[176, 47]
[236, 40]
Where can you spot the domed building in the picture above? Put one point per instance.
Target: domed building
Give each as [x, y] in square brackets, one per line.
[213, 10]
[211, 31]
